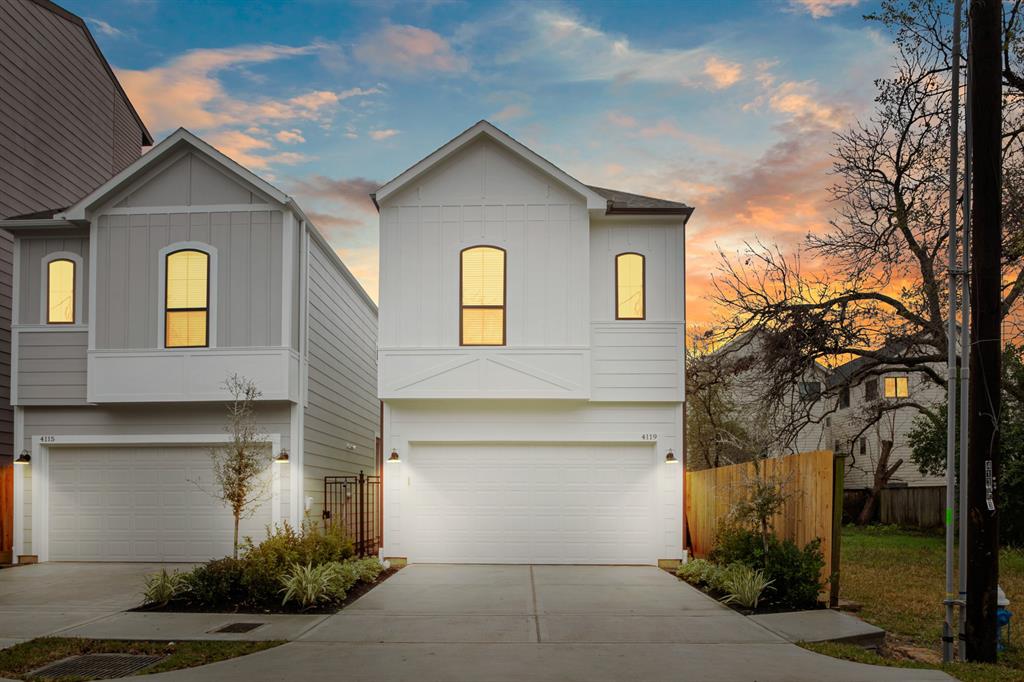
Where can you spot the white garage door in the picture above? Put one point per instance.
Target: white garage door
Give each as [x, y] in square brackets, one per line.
[139, 504]
[544, 503]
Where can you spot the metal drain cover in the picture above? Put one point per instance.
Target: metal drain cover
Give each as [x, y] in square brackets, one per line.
[104, 666]
[239, 627]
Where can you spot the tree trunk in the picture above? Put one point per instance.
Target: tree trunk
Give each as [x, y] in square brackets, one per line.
[883, 472]
[234, 545]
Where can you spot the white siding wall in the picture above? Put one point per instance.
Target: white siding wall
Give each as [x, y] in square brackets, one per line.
[485, 195]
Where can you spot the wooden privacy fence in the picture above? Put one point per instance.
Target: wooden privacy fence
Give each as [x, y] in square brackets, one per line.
[814, 481]
[6, 512]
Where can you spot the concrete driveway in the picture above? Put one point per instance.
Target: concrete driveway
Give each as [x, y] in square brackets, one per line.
[492, 623]
[40, 599]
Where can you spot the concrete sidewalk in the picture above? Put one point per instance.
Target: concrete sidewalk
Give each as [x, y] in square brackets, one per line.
[496, 623]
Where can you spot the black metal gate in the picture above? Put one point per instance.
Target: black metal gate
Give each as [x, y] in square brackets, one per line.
[355, 503]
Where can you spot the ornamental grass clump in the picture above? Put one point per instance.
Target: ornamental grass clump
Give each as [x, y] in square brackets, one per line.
[744, 586]
[162, 587]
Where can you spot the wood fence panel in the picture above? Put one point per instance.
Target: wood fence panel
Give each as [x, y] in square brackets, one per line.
[6, 512]
[807, 513]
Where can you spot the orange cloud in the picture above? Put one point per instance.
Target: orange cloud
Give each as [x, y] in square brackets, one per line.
[408, 50]
[722, 73]
[822, 8]
[384, 134]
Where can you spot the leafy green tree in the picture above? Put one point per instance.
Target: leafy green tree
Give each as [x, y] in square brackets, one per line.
[927, 441]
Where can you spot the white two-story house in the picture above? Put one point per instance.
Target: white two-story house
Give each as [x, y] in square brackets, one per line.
[531, 362]
[131, 308]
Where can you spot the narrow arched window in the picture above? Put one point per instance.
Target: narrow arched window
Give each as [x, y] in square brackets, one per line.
[482, 321]
[630, 294]
[60, 291]
[187, 304]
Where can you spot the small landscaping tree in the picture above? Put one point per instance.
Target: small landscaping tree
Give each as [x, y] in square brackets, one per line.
[239, 464]
[763, 497]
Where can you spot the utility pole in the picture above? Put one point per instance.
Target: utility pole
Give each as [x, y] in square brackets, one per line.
[985, 104]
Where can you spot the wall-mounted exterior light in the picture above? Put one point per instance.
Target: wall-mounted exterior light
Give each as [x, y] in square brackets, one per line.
[283, 457]
[394, 458]
[670, 458]
[23, 458]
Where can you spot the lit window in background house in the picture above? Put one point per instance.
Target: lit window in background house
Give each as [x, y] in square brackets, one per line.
[187, 304]
[897, 387]
[630, 300]
[483, 296]
[60, 292]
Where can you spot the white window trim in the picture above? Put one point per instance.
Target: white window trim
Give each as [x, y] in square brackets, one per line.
[40, 477]
[44, 287]
[211, 291]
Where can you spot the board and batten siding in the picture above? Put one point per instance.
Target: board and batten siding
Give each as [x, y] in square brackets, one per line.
[484, 195]
[248, 286]
[638, 359]
[64, 126]
[31, 275]
[341, 419]
[138, 420]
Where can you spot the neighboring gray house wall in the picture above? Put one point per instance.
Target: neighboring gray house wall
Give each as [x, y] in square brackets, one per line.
[342, 414]
[66, 126]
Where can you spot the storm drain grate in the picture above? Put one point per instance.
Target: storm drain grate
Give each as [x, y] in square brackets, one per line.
[239, 627]
[103, 666]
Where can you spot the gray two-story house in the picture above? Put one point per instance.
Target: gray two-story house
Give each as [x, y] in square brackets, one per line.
[131, 309]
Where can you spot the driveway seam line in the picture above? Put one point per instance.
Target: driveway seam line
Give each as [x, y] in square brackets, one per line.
[536, 614]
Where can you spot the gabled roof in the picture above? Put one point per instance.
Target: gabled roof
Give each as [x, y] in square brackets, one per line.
[177, 140]
[147, 139]
[485, 128]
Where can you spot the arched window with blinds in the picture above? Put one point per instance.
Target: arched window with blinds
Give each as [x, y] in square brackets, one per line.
[630, 294]
[482, 296]
[187, 304]
[60, 291]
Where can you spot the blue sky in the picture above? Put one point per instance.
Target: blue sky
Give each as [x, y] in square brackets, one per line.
[729, 106]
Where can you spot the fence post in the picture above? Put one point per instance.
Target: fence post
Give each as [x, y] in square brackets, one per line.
[362, 514]
[838, 472]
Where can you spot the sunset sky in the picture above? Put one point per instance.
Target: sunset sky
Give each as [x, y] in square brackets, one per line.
[728, 106]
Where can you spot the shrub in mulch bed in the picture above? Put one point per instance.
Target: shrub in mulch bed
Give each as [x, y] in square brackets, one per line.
[744, 576]
[309, 570]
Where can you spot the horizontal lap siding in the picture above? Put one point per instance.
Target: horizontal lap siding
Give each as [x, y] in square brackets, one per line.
[52, 367]
[342, 408]
[6, 292]
[64, 127]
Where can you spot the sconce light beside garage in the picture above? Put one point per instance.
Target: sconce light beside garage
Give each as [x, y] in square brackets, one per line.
[394, 458]
[283, 457]
[670, 458]
[23, 458]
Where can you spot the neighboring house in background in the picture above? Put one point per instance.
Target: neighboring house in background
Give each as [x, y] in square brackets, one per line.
[66, 126]
[531, 362]
[862, 449]
[131, 309]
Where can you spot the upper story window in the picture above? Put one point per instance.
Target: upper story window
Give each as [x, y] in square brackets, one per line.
[844, 397]
[482, 296]
[187, 304]
[810, 391]
[630, 297]
[60, 291]
[871, 389]
[897, 387]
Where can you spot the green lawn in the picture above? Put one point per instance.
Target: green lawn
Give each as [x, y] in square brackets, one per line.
[20, 659]
[898, 577]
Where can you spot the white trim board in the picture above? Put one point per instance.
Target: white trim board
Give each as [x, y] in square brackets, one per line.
[41, 445]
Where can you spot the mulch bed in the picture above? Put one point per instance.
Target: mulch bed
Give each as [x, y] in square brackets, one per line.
[739, 609]
[357, 591]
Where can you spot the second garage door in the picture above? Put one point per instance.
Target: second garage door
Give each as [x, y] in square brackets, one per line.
[543, 503]
[140, 504]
